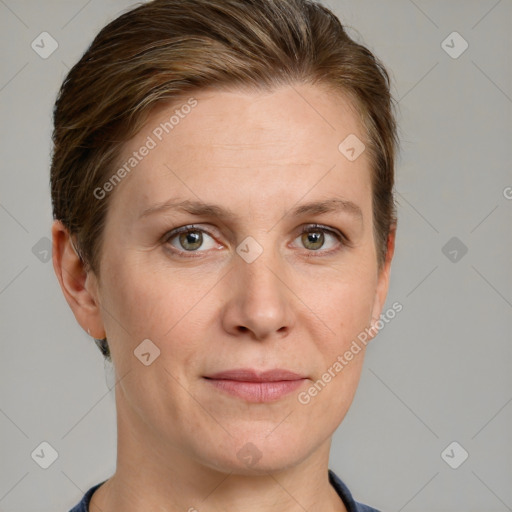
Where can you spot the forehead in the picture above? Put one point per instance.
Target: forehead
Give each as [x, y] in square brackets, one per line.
[249, 143]
[285, 114]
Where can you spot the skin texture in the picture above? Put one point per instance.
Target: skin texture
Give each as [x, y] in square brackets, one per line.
[261, 155]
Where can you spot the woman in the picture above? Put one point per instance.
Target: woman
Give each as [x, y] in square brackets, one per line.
[222, 186]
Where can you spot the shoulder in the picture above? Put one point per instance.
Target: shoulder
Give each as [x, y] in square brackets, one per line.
[83, 506]
[346, 496]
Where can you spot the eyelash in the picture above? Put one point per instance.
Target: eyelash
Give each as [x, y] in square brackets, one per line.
[309, 228]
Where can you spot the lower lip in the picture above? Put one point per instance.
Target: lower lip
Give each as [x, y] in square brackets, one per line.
[257, 391]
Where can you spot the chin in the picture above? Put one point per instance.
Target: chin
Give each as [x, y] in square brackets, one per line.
[257, 455]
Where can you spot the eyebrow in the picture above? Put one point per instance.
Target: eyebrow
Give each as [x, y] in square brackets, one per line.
[335, 205]
[329, 206]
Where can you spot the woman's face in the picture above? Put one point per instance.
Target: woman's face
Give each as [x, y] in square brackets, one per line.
[243, 291]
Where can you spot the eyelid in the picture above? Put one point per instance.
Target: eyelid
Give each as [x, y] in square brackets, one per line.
[306, 228]
[183, 229]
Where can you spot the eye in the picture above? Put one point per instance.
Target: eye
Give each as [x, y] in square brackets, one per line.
[315, 237]
[189, 239]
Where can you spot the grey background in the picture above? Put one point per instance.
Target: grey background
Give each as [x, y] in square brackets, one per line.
[438, 373]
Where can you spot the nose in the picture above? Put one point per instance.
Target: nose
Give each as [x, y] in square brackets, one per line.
[260, 301]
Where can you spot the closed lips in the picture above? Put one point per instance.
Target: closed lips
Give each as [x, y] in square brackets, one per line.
[247, 375]
[258, 387]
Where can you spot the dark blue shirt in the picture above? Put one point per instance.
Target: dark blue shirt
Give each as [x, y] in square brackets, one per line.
[342, 490]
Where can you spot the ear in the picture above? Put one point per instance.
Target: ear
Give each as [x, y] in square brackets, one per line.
[80, 288]
[383, 278]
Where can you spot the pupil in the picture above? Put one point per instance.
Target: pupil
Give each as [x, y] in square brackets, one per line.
[191, 238]
[313, 238]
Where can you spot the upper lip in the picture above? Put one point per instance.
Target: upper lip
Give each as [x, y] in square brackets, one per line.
[249, 375]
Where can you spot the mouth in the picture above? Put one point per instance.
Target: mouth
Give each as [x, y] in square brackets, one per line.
[254, 386]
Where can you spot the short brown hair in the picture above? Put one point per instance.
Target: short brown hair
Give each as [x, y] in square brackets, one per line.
[164, 49]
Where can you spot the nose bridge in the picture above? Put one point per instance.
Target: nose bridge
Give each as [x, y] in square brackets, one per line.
[259, 275]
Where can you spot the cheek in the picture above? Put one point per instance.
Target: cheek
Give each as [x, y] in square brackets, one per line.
[345, 302]
[345, 308]
[143, 301]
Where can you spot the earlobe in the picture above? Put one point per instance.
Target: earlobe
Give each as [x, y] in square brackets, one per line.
[78, 285]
